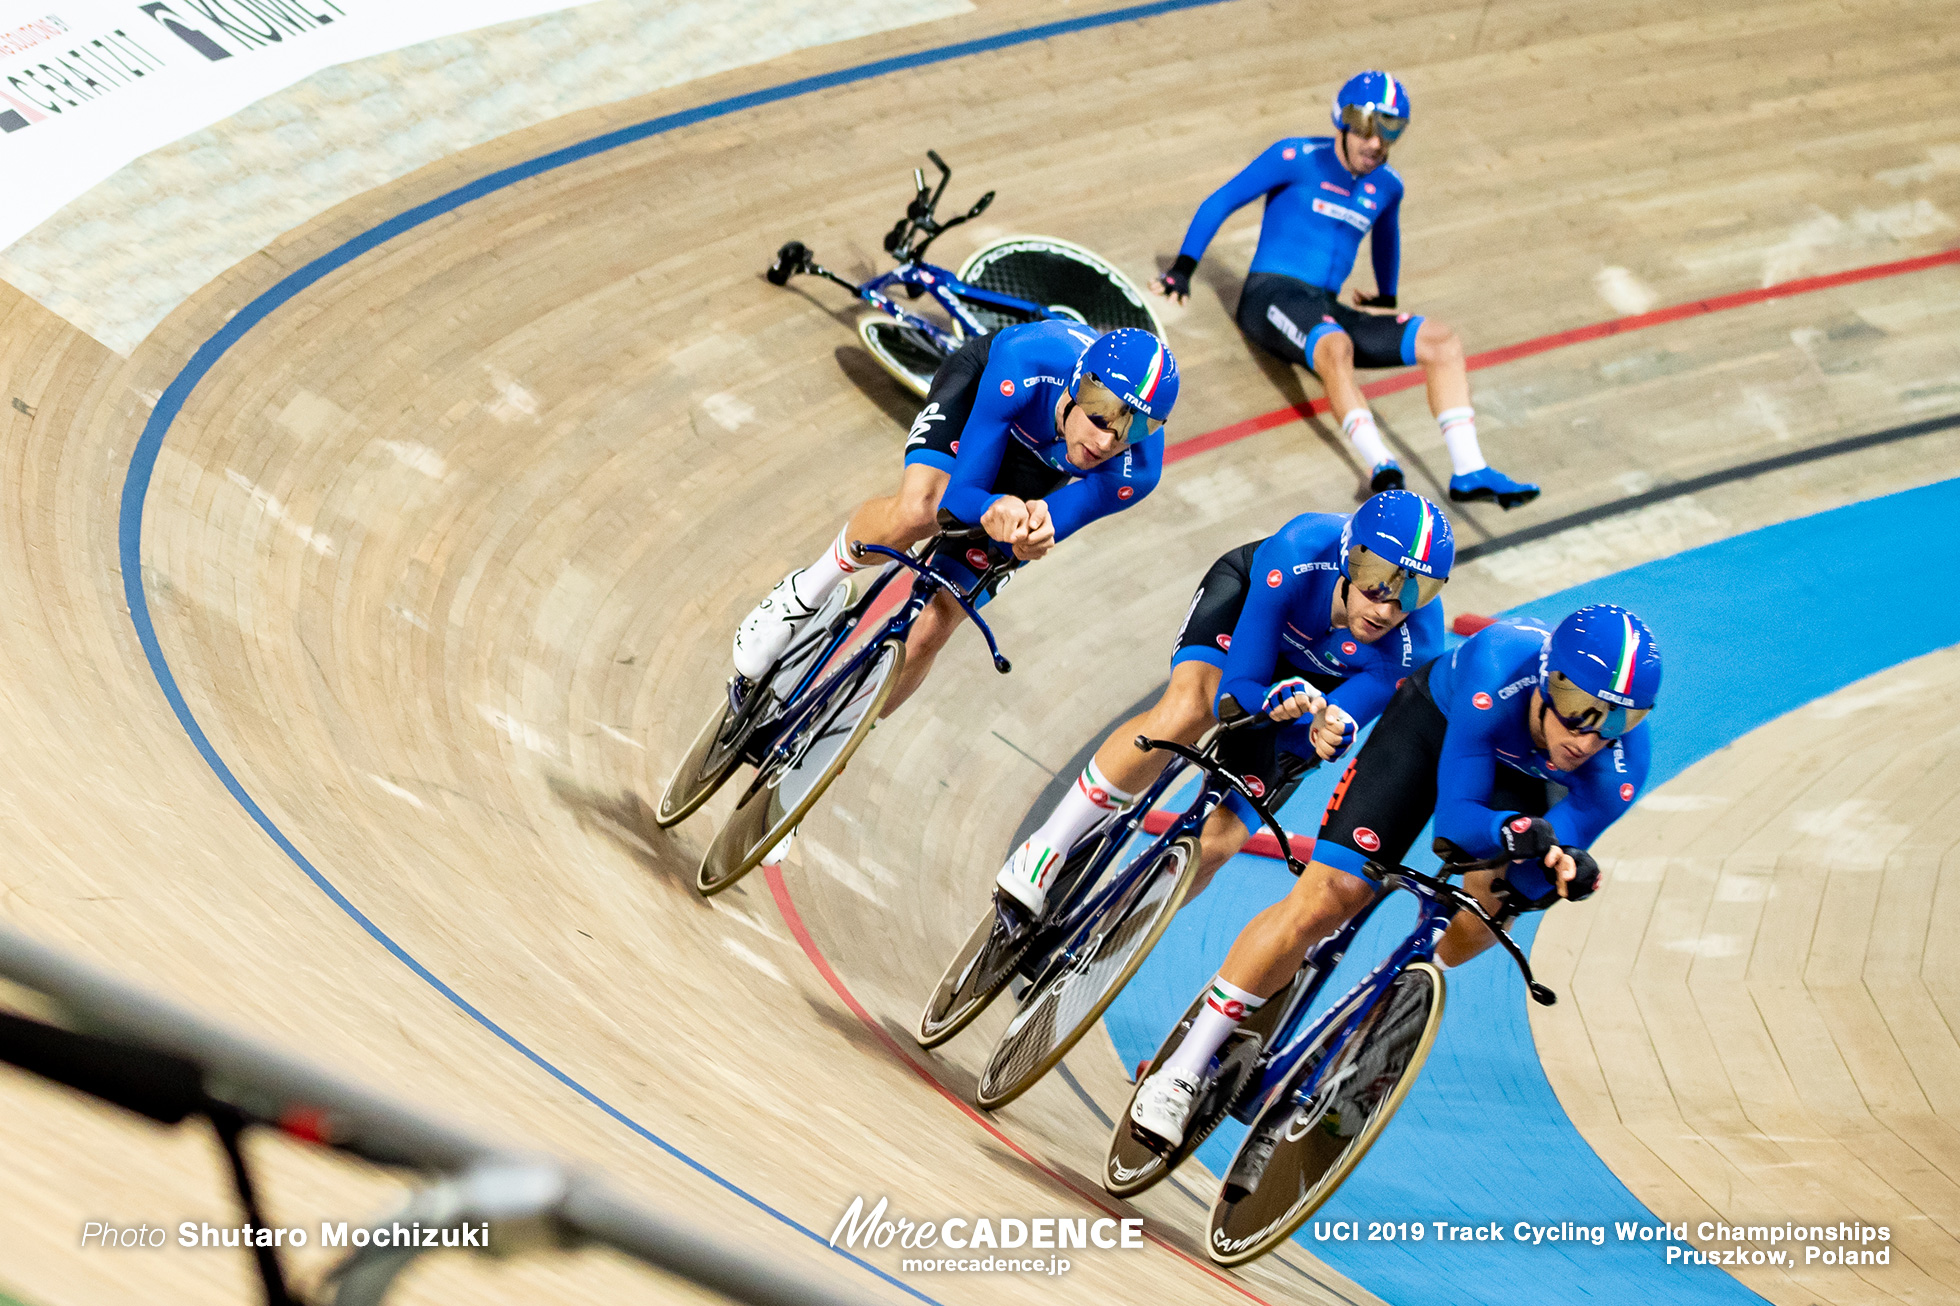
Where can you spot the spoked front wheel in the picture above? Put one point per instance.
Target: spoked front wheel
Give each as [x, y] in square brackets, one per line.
[1073, 994]
[1301, 1147]
[818, 747]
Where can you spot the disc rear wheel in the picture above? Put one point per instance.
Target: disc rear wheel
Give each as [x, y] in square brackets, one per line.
[1064, 278]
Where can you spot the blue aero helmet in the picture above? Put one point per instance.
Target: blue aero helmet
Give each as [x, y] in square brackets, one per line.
[1600, 671]
[1372, 104]
[1398, 546]
[1126, 382]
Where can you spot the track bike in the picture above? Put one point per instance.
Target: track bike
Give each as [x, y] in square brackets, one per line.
[1019, 279]
[800, 723]
[1317, 1094]
[1111, 903]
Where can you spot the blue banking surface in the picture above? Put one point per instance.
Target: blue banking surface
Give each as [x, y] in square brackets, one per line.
[1751, 628]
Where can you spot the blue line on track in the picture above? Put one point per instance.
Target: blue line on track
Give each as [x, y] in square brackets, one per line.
[142, 465]
[1751, 627]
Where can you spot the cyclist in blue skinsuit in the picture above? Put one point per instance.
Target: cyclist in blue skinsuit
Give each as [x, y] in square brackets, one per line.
[1323, 194]
[1334, 604]
[1031, 433]
[1524, 742]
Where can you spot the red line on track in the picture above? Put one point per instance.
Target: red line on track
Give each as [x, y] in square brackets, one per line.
[794, 919]
[1408, 380]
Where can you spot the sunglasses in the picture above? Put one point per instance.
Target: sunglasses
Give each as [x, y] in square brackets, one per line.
[1587, 714]
[1388, 582]
[1110, 414]
[1367, 120]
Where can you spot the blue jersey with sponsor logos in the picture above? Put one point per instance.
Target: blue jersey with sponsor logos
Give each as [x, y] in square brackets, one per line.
[1286, 626]
[1316, 214]
[1026, 378]
[1484, 690]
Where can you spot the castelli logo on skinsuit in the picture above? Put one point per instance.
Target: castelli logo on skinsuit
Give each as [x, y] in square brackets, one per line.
[1007, 387]
[1273, 578]
[1256, 785]
[1481, 700]
[1520, 825]
[1368, 186]
[1289, 153]
[977, 558]
[1626, 793]
[1225, 642]
[1368, 839]
[1125, 491]
[1349, 647]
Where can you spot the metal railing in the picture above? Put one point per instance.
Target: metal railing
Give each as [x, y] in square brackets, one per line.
[148, 1056]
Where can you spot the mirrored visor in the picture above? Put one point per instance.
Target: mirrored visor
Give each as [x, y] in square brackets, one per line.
[1367, 120]
[1590, 715]
[1384, 581]
[1111, 414]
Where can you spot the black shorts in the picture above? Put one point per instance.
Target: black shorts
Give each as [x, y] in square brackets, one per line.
[935, 442]
[1206, 635]
[1286, 317]
[1389, 791]
[934, 439]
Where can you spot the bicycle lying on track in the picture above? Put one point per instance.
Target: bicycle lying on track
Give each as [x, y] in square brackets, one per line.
[1020, 279]
[1317, 1094]
[800, 723]
[1111, 904]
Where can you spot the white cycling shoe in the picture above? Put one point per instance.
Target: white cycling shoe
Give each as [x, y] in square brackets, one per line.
[769, 628]
[1162, 1107]
[1028, 873]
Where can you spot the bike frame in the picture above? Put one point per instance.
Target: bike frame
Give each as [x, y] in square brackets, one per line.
[948, 291]
[770, 741]
[1077, 917]
[1420, 943]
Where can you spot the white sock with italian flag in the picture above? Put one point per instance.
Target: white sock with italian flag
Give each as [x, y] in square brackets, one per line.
[1090, 800]
[1226, 1004]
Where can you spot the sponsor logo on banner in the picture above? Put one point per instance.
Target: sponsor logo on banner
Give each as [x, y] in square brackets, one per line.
[1481, 700]
[87, 86]
[1367, 840]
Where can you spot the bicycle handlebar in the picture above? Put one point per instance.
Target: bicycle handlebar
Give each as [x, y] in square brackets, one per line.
[1211, 766]
[1464, 900]
[965, 600]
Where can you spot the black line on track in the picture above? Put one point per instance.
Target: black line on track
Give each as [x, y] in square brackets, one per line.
[1740, 472]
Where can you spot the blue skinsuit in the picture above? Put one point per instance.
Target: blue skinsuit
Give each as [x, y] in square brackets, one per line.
[1285, 629]
[1316, 214]
[1027, 373]
[1501, 662]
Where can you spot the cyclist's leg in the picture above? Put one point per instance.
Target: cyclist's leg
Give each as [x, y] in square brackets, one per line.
[1377, 810]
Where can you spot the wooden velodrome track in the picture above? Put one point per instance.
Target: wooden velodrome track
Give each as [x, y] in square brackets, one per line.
[445, 552]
